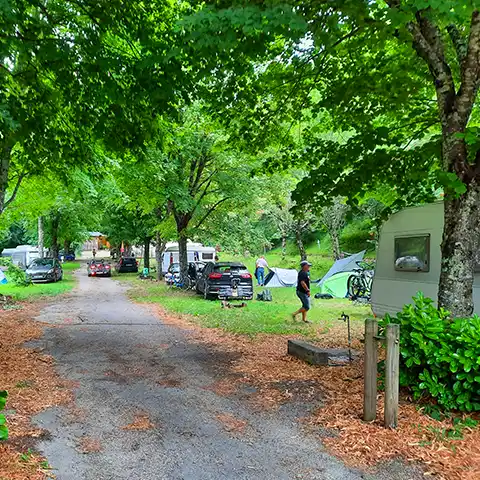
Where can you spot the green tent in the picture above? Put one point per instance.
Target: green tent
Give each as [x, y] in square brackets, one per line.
[336, 285]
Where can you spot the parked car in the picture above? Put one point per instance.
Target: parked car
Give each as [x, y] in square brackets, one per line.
[225, 280]
[126, 265]
[195, 269]
[67, 257]
[173, 273]
[44, 270]
[98, 268]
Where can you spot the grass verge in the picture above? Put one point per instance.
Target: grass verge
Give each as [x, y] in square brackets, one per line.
[43, 289]
[257, 317]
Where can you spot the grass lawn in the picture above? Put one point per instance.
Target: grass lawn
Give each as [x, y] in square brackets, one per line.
[40, 289]
[257, 317]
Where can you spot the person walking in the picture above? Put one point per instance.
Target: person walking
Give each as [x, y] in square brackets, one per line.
[303, 291]
[94, 252]
[260, 265]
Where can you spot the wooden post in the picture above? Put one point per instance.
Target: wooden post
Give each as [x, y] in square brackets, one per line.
[392, 375]
[370, 374]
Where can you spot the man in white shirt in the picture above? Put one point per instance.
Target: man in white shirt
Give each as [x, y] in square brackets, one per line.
[260, 266]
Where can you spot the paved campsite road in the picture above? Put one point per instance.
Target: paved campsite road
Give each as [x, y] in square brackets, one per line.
[125, 362]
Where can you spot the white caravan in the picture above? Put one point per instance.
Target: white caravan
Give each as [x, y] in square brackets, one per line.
[22, 255]
[409, 259]
[196, 252]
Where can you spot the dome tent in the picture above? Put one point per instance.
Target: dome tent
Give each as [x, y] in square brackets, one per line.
[335, 281]
[281, 277]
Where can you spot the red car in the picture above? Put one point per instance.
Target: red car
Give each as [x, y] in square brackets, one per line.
[98, 268]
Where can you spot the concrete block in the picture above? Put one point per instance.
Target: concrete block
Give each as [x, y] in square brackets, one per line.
[308, 353]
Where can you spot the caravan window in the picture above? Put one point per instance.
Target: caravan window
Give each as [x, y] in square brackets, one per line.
[412, 254]
[207, 256]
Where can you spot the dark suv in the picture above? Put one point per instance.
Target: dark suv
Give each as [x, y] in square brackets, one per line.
[225, 280]
[127, 264]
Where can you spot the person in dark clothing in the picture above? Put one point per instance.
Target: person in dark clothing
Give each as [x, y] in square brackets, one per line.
[192, 271]
[303, 291]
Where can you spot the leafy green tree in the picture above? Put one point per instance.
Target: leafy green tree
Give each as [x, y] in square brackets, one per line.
[199, 173]
[405, 117]
[79, 78]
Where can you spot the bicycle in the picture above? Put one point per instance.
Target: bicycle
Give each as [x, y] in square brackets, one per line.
[189, 283]
[359, 284]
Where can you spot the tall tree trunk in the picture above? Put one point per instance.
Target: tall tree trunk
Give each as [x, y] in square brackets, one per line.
[284, 244]
[159, 249]
[41, 236]
[146, 252]
[4, 168]
[461, 215]
[183, 255]
[182, 220]
[5, 156]
[54, 247]
[300, 245]
[6, 147]
[334, 237]
[459, 247]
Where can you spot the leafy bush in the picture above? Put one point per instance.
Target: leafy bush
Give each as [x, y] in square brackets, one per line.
[13, 273]
[3, 426]
[440, 356]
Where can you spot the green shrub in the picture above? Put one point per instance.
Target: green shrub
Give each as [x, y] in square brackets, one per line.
[14, 274]
[3, 426]
[440, 356]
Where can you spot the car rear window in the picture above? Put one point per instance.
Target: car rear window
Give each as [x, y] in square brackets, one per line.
[129, 261]
[230, 269]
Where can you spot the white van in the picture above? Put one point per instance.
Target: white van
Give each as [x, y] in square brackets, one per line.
[409, 259]
[196, 252]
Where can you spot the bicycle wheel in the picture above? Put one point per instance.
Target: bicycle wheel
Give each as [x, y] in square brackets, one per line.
[355, 286]
[187, 284]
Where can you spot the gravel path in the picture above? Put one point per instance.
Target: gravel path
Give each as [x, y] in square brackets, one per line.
[126, 364]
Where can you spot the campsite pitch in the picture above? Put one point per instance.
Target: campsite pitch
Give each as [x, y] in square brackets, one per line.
[256, 317]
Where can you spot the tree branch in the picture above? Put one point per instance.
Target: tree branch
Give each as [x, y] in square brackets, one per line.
[459, 42]
[210, 211]
[428, 43]
[15, 190]
[470, 70]
[208, 180]
[205, 191]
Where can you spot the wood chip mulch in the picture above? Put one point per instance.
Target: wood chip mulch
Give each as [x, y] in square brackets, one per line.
[140, 422]
[263, 362]
[231, 424]
[87, 445]
[32, 385]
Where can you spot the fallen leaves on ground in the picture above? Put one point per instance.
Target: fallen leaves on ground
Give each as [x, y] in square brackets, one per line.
[32, 385]
[88, 445]
[262, 361]
[231, 424]
[140, 422]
